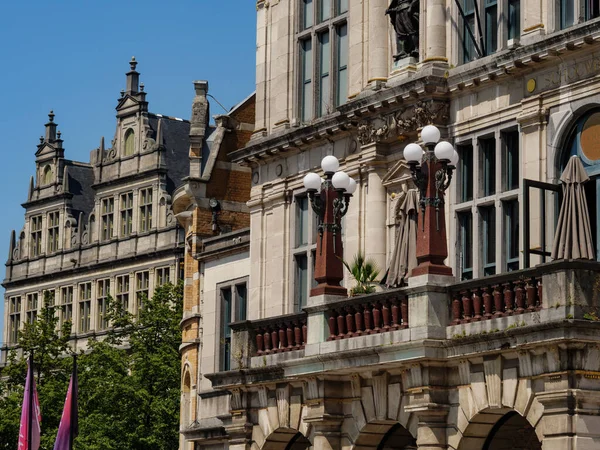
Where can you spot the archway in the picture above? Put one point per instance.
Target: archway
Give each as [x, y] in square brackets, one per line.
[385, 436]
[186, 400]
[499, 429]
[286, 439]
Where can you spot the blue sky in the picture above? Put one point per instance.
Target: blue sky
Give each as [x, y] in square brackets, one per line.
[71, 56]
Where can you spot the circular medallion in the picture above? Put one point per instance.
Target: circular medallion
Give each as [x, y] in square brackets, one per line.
[590, 138]
[255, 177]
[279, 170]
[531, 85]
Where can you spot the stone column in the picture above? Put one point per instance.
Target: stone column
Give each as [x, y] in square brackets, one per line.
[378, 42]
[434, 18]
[533, 19]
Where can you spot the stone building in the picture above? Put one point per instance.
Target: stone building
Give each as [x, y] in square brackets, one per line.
[108, 227]
[502, 354]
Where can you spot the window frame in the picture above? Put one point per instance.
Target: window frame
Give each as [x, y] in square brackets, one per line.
[162, 276]
[145, 207]
[511, 234]
[53, 231]
[233, 311]
[35, 232]
[85, 307]
[487, 215]
[107, 218]
[66, 304]
[32, 306]
[14, 318]
[126, 214]
[129, 142]
[102, 299]
[300, 291]
[142, 288]
[122, 294]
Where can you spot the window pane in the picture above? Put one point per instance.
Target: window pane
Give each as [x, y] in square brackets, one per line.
[465, 223]
[301, 280]
[324, 68]
[488, 165]
[511, 160]
[308, 13]
[466, 172]
[592, 9]
[342, 6]
[567, 13]
[302, 219]
[307, 70]
[225, 329]
[491, 27]
[325, 10]
[514, 19]
[488, 230]
[242, 301]
[511, 234]
[342, 61]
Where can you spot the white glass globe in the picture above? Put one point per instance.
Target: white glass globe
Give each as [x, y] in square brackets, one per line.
[413, 153]
[430, 134]
[444, 150]
[340, 180]
[351, 187]
[454, 159]
[312, 181]
[330, 164]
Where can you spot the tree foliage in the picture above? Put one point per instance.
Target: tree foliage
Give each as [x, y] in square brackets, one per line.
[128, 379]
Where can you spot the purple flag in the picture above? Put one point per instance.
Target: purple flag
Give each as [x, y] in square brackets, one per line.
[67, 429]
[30, 414]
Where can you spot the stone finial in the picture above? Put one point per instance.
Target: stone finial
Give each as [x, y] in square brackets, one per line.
[141, 87]
[12, 245]
[51, 116]
[122, 92]
[133, 78]
[41, 139]
[50, 128]
[133, 63]
[102, 145]
[30, 193]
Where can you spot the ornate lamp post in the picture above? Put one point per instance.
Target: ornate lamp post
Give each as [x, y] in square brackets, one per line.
[432, 173]
[329, 198]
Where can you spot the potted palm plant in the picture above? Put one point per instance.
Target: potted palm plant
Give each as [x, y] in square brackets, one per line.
[364, 272]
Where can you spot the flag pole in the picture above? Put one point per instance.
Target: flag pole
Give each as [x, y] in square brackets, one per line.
[30, 412]
[73, 403]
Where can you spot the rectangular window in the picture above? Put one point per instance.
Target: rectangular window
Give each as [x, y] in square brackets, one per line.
[301, 280]
[32, 306]
[324, 10]
[342, 64]
[592, 9]
[342, 6]
[66, 304]
[142, 283]
[36, 236]
[85, 307]
[49, 296]
[122, 294]
[514, 19]
[488, 165]
[103, 294]
[324, 105]
[510, 171]
[488, 236]
[302, 220]
[469, 53]
[466, 172]
[567, 13]
[15, 320]
[163, 275]
[465, 227]
[491, 26]
[145, 209]
[308, 14]
[307, 70]
[108, 218]
[511, 234]
[126, 214]
[233, 308]
[53, 231]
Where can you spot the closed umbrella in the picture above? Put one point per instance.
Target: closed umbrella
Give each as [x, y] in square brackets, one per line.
[404, 256]
[573, 237]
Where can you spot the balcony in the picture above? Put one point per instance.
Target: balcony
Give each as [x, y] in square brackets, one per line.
[551, 301]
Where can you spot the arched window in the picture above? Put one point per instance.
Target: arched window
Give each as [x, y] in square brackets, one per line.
[186, 400]
[47, 175]
[129, 140]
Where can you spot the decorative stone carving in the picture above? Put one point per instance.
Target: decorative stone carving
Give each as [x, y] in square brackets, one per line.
[262, 396]
[369, 132]
[493, 381]
[311, 389]
[404, 15]
[283, 406]
[238, 400]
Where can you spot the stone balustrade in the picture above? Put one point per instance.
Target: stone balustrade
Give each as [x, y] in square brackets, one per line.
[496, 296]
[367, 314]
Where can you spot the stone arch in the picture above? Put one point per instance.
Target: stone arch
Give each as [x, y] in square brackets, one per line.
[186, 397]
[286, 439]
[47, 175]
[129, 143]
[500, 429]
[385, 435]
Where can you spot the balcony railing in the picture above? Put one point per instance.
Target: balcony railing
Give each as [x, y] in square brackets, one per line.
[496, 296]
[367, 314]
[276, 334]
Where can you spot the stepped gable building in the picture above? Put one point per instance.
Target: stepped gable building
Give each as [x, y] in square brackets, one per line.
[498, 349]
[107, 227]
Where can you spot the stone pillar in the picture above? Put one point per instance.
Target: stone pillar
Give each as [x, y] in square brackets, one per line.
[356, 48]
[431, 432]
[428, 307]
[375, 242]
[327, 433]
[435, 31]
[533, 19]
[378, 42]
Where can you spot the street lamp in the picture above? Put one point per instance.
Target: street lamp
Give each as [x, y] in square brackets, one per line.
[329, 199]
[432, 173]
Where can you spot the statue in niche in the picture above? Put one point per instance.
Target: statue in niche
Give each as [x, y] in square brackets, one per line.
[404, 15]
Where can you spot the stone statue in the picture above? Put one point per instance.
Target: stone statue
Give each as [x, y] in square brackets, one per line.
[404, 15]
